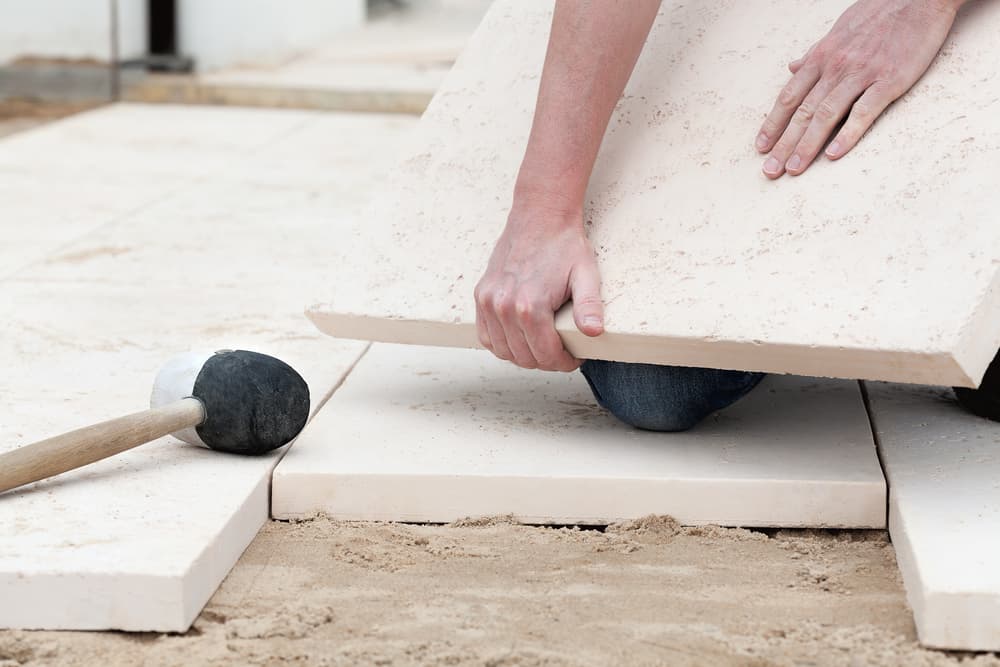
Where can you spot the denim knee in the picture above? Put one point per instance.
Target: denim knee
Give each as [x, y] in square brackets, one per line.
[664, 398]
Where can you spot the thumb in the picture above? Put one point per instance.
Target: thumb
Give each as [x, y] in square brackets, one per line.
[585, 290]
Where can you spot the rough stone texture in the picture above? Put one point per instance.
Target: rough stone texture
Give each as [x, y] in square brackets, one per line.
[880, 266]
[943, 467]
[419, 434]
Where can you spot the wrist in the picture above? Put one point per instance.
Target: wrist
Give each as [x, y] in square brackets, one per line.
[544, 207]
[557, 197]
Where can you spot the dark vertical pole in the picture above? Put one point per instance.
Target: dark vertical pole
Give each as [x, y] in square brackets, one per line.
[115, 56]
[162, 27]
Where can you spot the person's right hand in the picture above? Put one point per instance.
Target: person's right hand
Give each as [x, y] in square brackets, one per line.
[542, 259]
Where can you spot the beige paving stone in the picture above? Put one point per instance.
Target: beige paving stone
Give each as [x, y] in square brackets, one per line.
[851, 270]
[943, 469]
[420, 434]
[60, 182]
[140, 541]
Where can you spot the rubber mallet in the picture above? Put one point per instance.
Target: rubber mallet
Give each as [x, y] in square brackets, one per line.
[232, 401]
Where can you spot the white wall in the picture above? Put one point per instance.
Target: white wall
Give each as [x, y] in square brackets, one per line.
[219, 33]
[72, 29]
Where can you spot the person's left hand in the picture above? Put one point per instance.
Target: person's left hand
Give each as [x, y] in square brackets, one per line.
[873, 54]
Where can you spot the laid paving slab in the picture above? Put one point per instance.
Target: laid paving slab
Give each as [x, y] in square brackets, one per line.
[419, 434]
[943, 469]
[394, 64]
[140, 541]
[847, 271]
[63, 181]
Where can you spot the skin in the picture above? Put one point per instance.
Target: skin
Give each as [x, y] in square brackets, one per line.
[543, 257]
[874, 53]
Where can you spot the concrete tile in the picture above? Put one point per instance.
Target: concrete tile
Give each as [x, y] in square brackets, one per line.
[62, 181]
[419, 434]
[847, 271]
[140, 541]
[277, 213]
[943, 467]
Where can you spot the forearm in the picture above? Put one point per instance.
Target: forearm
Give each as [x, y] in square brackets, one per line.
[593, 47]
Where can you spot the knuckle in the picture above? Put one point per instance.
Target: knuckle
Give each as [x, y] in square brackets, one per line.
[503, 304]
[804, 113]
[788, 97]
[862, 109]
[826, 112]
[838, 60]
[526, 309]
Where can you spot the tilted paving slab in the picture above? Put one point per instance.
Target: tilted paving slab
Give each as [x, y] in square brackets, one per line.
[423, 434]
[851, 270]
[140, 541]
[943, 469]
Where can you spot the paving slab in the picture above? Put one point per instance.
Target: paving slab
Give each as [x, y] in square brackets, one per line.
[422, 434]
[393, 64]
[68, 178]
[943, 469]
[847, 271]
[140, 541]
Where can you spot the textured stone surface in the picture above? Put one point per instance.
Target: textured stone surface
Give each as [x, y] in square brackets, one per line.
[420, 434]
[881, 266]
[240, 209]
[943, 469]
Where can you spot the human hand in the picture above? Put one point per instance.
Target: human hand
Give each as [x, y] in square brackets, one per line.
[542, 259]
[873, 54]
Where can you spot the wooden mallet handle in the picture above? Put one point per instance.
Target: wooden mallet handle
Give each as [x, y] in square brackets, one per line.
[92, 443]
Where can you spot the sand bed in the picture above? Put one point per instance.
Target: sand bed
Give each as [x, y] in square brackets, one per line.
[489, 592]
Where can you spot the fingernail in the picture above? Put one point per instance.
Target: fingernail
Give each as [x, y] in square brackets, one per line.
[793, 163]
[772, 166]
[833, 150]
[592, 320]
[761, 141]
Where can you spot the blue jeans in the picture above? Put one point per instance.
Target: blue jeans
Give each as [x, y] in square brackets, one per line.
[664, 398]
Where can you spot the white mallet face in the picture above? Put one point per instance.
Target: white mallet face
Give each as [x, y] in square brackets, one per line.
[174, 382]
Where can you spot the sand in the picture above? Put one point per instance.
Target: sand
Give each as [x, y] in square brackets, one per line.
[17, 115]
[492, 593]
[489, 592]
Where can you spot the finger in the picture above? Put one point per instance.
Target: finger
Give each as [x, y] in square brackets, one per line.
[546, 345]
[788, 101]
[585, 290]
[829, 112]
[510, 320]
[796, 64]
[864, 112]
[779, 159]
[494, 330]
[498, 340]
[482, 333]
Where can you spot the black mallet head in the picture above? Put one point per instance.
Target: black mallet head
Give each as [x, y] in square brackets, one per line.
[253, 403]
